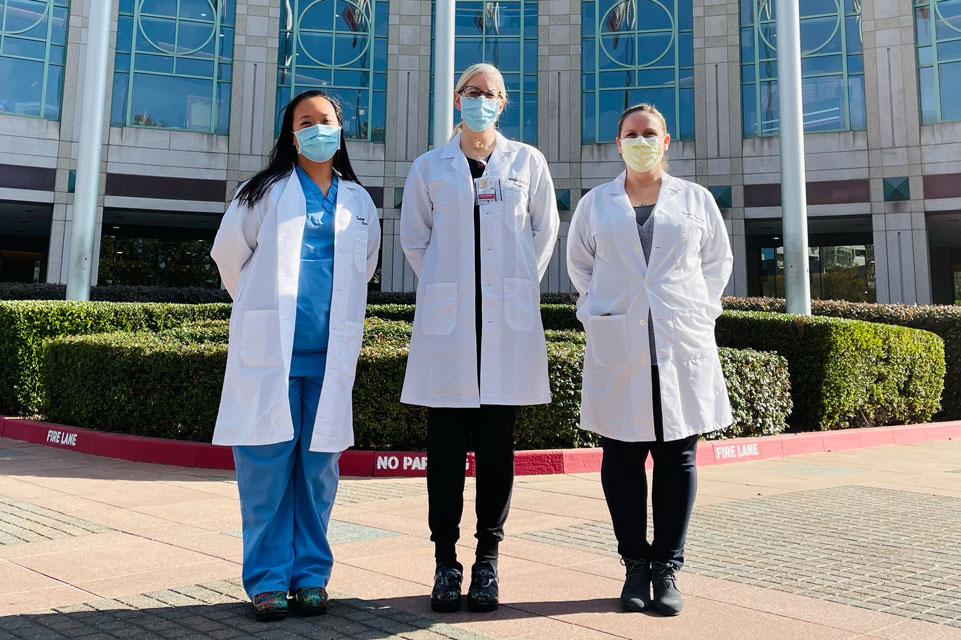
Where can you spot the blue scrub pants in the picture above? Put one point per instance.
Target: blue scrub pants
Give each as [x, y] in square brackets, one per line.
[286, 495]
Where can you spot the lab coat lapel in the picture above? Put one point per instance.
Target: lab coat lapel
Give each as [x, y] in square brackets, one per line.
[291, 214]
[626, 222]
[502, 155]
[670, 187]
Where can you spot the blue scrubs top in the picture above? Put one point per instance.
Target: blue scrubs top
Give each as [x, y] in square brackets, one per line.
[316, 282]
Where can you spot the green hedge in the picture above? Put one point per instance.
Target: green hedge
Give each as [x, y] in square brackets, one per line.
[945, 321]
[846, 373]
[168, 385]
[24, 325]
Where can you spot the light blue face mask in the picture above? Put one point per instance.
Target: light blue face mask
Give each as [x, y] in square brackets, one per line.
[479, 113]
[319, 143]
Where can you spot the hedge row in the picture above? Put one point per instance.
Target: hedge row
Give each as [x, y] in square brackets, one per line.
[846, 373]
[945, 321]
[168, 385]
[25, 325]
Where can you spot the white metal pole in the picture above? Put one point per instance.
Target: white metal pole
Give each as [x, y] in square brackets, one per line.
[88, 159]
[443, 122]
[793, 197]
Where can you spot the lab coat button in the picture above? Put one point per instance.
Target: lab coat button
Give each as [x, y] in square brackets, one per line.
[643, 360]
[643, 322]
[637, 249]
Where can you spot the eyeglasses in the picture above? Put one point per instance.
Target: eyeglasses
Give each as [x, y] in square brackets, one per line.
[470, 91]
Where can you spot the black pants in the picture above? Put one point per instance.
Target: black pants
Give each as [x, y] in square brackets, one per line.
[672, 495]
[450, 433]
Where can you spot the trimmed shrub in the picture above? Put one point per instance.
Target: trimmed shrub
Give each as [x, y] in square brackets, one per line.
[116, 293]
[24, 325]
[168, 385]
[943, 320]
[846, 373]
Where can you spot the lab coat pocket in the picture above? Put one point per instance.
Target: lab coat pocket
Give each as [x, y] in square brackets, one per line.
[607, 339]
[360, 247]
[260, 338]
[440, 309]
[688, 245]
[693, 333]
[515, 207]
[519, 304]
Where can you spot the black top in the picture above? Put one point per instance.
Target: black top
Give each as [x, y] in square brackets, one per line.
[477, 169]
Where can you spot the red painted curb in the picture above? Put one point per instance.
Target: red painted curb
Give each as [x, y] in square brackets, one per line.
[384, 464]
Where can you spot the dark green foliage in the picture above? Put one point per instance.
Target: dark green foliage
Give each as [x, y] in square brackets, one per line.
[168, 385]
[24, 325]
[759, 386]
[116, 293]
[846, 373]
[136, 383]
[943, 320]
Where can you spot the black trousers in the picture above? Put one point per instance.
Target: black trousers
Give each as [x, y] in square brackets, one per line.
[672, 494]
[450, 433]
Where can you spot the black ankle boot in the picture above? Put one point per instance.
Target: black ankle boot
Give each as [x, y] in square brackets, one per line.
[636, 594]
[446, 595]
[667, 599]
[483, 594]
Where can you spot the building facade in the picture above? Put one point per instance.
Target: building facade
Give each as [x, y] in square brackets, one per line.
[196, 89]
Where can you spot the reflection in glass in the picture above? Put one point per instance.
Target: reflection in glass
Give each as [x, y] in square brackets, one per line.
[504, 34]
[172, 67]
[650, 43]
[832, 66]
[845, 272]
[328, 45]
[33, 34]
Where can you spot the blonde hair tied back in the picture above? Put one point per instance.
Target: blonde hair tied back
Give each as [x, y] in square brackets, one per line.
[651, 109]
[470, 72]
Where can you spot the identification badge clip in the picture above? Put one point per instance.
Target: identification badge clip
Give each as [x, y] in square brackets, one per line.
[487, 190]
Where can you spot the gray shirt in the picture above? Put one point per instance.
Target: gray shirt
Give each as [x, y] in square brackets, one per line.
[645, 229]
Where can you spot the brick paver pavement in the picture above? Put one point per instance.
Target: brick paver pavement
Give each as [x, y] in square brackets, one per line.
[853, 544]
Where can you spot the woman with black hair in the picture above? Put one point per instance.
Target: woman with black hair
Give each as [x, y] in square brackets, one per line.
[295, 251]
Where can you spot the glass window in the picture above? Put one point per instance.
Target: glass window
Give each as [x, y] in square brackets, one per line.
[832, 67]
[339, 47]
[636, 51]
[837, 272]
[504, 34]
[33, 35]
[938, 33]
[173, 64]
[157, 256]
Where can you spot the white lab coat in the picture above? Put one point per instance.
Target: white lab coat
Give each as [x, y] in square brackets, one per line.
[258, 253]
[689, 267]
[517, 239]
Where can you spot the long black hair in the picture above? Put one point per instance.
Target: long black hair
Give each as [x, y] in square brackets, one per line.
[283, 158]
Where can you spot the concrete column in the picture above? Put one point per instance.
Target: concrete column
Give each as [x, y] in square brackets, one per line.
[894, 144]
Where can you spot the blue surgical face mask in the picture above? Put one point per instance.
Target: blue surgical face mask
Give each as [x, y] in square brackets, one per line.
[479, 113]
[319, 142]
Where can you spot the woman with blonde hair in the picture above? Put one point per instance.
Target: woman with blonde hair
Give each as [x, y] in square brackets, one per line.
[478, 226]
[649, 255]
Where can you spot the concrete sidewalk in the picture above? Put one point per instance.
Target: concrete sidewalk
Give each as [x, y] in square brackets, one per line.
[852, 544]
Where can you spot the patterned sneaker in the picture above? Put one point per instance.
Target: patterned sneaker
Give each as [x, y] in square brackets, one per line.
[446, 596]
[482, 595]
[310, 601]
[270, 606]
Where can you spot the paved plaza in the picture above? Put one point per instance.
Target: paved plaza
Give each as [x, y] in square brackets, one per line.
[850, 544]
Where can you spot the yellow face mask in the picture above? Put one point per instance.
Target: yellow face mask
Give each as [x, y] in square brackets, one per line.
[642, 154]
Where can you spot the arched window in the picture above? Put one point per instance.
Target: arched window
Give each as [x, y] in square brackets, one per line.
[832, 66]
[340, 47]
[173, 65]
[504, 34]
[33, 39]
[636, 51]
[938, 24]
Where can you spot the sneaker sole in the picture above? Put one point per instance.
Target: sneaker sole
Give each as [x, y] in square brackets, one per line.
[475, 607]
[272, 616]
[445, 607]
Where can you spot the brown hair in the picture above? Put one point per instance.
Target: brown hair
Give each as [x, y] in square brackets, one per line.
[651, 109]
